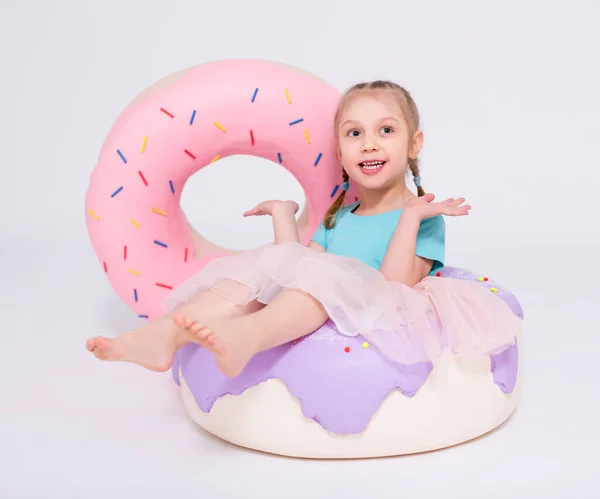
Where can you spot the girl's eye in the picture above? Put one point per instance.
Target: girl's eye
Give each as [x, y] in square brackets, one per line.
[386, 129]
[353, 133]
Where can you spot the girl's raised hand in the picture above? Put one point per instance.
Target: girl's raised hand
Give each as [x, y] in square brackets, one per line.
[423, 207]
[268, 207]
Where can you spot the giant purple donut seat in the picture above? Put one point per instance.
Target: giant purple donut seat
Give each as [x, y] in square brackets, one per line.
[331, 396]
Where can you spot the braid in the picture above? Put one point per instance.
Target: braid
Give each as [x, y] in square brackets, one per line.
[330, 216]
[413, 164]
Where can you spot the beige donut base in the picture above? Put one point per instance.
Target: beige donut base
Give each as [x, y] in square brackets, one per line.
[458, 402]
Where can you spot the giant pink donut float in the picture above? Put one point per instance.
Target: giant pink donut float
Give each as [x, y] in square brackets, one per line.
[324, 395]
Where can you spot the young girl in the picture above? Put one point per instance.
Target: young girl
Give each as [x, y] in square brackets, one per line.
[370, 266]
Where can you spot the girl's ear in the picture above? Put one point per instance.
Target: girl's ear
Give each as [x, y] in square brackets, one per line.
[416, 144]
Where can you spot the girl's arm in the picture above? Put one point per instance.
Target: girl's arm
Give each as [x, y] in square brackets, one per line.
[284, 224]
[283, 214]
[400, 262]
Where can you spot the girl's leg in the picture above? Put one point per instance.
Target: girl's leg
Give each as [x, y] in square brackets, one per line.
[235, 340]
[153, 345]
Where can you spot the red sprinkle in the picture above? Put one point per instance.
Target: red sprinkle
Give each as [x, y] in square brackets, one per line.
[185, 255]
[438, 274]
[485, 278]
[142, 175]
[355, 198]
[190, 154]
[347, 349]
[251, 137]
[167, 112]
[105, 269]
[163, 285]
[124, 252]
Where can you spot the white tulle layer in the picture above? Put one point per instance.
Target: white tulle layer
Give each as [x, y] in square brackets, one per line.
[407, 324]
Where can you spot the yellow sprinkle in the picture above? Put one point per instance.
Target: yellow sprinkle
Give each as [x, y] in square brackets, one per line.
[365, 345]
[480, 279]
[287, 94]
[91, 212]
[493, 290]
[144, 144]
[307, 136]
[215, 158]
[220, 126]
[160, 212]
[134, 272]
[134, 223]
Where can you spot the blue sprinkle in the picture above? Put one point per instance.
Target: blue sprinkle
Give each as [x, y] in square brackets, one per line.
[335, 190]
[143, 316]
[193, 116]
[279, 157]
[318, 158]
[160, 244]
[135, 295]
[116, 192]
[172, 188]
[255, 92]
[296, 121]
[122, 157]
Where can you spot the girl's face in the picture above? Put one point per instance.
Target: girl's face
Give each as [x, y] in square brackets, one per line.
[374, 142]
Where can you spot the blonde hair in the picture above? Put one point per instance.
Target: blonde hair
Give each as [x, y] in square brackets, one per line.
[410, 113]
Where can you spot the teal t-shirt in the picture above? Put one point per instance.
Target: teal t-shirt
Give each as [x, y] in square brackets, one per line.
[367, 237]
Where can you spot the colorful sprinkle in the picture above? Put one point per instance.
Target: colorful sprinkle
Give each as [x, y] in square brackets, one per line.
[220, 127]
[160, 244]
[318, 158]
[160, 212]
[347, 349]
[143, 178]
[135, 272]
[143, 316]
[134, 223]
[438, 274]
[279, 157]
[307, 136]
[172, 188]
[287, 95]
[296, 121]
[164, 285]
[215, 158]
[144, 144]
[255, 92]
[485, 279]
[135, 296]
[189, 154]
[251, 137]
[116, 192]
[124, 252]
[122, 157]
[480, 279]
[334, 190]
[355, 198]
[365, 345]
[91, 212]
[167, 112]
[105, 267]
[185, 255]
[493, 290]
[193, 116]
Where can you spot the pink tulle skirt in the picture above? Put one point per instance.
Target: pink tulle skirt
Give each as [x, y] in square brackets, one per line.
[406, 324]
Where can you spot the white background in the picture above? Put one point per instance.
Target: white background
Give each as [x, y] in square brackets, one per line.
[509, 97]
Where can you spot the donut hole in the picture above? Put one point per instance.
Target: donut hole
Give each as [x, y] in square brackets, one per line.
[215, 198]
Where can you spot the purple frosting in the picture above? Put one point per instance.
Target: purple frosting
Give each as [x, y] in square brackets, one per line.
[339, 389]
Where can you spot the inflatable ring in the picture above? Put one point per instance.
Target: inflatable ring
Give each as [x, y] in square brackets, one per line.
[325, 395]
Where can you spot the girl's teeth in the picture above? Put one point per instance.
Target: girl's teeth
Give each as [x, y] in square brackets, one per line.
[372, 165]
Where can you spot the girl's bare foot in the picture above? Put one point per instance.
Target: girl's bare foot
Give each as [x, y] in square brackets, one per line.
[152, 346]
[232, 350]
